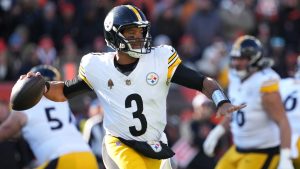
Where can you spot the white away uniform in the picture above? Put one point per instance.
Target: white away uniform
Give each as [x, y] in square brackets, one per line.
[50, 132]
[251, 126]
[134, 105]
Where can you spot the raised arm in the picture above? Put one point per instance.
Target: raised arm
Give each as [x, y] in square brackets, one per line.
[208, 86]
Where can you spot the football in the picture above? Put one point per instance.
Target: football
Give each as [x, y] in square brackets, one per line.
[27, 92]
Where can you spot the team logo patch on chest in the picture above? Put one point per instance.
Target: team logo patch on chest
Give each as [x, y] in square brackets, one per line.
[152, 78]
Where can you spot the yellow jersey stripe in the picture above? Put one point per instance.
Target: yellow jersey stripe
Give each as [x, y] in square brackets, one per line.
[81, 70]
[172, 68]
[173, 61]
[172, 57]
[135, 11]
[85, 80]
[270, 86]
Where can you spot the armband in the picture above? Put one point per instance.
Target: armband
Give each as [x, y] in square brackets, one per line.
[219, 98]
[47, 87]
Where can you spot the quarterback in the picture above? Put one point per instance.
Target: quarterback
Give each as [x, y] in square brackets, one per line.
[50, 130]
[261, 132]
[132, 84]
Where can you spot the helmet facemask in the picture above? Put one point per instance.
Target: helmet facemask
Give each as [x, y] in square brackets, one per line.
[134, 47]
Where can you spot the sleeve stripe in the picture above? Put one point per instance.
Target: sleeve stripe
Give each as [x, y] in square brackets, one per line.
[270, 88]
[172, 57]
[81, 70]
[172, 67]
[82, 76]
[173, 62]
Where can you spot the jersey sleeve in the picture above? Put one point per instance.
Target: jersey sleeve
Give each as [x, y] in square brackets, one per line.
[271, 85]
[173, 60]
[82, 73]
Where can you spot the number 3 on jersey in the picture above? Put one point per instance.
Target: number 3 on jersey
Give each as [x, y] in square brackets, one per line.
[137, 114]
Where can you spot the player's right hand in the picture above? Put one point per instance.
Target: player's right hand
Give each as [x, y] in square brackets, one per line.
[212, 139]
[30, 74]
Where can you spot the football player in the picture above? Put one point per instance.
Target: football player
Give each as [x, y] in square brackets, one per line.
[261, 132]
[50, 130]
[290, 93]
[132, 84]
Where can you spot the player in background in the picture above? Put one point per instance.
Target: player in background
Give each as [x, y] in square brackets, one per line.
[290, 94]
[261, 132]
[132, 84]
[49, 129]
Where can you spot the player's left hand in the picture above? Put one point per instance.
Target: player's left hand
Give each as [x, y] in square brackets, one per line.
[228, 108]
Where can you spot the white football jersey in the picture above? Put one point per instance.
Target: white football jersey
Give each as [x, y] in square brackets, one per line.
[251, 126]
[50, 132]
[134, 105]
[290, 95]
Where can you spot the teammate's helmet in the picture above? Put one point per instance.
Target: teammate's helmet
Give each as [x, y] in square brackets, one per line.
[248, 47]
[50, 73]
[122, 17]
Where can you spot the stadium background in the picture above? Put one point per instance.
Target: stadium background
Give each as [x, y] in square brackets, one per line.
[60, 32]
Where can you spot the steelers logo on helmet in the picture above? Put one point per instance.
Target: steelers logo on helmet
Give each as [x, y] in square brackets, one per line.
[108, 22]
[152, 78]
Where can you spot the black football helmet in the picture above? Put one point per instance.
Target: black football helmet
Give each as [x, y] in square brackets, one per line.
[125, 16]
[248, 47]
[49, 73]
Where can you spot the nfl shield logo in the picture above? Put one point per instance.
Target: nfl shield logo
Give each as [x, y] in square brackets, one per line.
[152, 78]
[155, 145]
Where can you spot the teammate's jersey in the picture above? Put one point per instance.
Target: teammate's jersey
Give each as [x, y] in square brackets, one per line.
[134, 105]
[251, 126]
[290, 95]
[50, 131]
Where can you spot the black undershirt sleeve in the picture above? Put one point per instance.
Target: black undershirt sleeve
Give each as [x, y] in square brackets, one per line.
[187, 77]
[75, 87]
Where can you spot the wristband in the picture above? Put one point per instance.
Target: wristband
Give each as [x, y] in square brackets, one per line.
[219, 98]
[47, 87]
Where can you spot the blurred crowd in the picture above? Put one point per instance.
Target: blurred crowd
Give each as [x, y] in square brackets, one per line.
[60, 32]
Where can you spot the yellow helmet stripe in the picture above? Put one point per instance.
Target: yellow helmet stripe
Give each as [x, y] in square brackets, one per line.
[135, 11]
